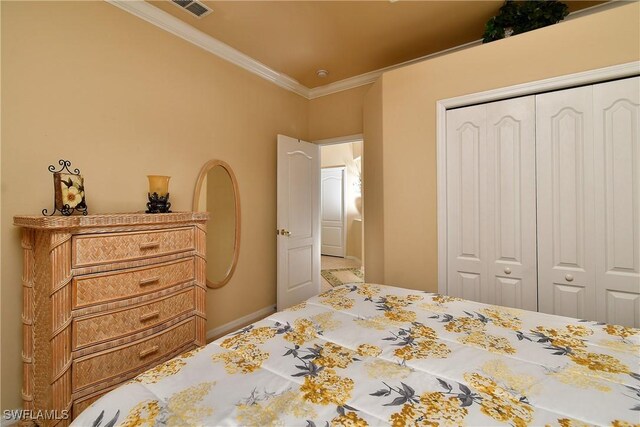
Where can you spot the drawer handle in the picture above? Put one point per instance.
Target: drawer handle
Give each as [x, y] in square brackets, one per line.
[149, 316]
[569, 277]
[149, 245]
[150, 280]
[147, 352]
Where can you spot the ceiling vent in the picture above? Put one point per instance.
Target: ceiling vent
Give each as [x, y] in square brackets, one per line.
[196, 8]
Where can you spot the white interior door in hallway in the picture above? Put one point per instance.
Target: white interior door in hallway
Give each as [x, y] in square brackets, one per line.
[298, 216]
[333, 214]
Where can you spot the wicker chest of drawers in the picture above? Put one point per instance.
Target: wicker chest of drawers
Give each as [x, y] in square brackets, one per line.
[105, 298]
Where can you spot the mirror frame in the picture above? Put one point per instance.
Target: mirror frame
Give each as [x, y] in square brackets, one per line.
[236, 193]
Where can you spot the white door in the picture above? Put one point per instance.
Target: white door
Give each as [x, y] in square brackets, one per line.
[491, 199]
[333, 212]
[565, 182]
[617, 201]
[466, 210]
[511, 203]
[298, 227]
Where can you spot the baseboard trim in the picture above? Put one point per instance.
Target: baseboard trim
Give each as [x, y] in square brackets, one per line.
[235, 324]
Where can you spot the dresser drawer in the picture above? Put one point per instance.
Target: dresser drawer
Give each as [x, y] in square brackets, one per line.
[115, 324]
[136, 356]
[104, 287]
[96, 249]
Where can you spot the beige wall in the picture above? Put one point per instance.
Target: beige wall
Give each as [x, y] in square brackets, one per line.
[121, 98]
[344, 155]
[373, 188]
[338, 114]
[408, 103]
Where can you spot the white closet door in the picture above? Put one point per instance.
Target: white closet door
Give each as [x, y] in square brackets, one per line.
[511, 203]
[466, 209]
[617, 193]
[565, 180]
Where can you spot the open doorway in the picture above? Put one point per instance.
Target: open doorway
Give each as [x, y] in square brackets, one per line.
[341, 212]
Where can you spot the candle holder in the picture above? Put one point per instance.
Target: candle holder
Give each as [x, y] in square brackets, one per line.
[158, 194]
[158, 204]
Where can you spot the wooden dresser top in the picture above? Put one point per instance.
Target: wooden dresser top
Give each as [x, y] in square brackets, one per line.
[107, 220]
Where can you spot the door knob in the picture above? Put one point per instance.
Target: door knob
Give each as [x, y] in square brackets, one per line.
[569, 277]
[284, 232]
[507, 270]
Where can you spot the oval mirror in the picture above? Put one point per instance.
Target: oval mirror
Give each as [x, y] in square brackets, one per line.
[217, 193]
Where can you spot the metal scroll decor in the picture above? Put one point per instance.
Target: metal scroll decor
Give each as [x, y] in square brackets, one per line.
[158, 204]
[68, 187]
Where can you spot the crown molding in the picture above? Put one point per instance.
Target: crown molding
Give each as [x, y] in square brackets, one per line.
[170, 23]
[372, 76]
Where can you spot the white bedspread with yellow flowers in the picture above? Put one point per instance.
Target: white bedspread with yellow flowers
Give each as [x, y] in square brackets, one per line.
[377, 355]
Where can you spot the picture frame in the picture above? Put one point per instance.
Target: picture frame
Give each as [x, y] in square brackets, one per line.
[68, 190]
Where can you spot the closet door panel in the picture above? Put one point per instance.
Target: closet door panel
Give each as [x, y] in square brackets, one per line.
[565, 203]
[569, 300]
[617, 193]
[466, 186]
[468, 285]
[508, 292]
[511, 202]
[621, 308]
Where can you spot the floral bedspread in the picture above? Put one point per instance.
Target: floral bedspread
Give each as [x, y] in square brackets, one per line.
[376, 355]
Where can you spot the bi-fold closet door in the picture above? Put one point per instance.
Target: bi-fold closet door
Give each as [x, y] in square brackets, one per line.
[491, 203]
[588, 188]
[543, 202]
[616, 130]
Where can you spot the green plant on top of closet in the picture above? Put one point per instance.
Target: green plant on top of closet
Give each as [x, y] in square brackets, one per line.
[522, 16]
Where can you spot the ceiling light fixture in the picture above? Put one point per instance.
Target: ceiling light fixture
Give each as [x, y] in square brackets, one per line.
[322, 73]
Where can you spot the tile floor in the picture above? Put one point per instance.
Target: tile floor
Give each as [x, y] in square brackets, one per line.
[331, 262]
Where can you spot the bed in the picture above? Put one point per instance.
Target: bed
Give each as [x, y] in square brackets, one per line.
[378, 355]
